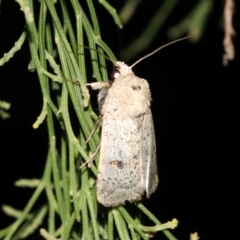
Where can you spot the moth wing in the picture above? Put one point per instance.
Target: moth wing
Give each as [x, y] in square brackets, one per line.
[148, 154]
[119, 173]
[127, 166]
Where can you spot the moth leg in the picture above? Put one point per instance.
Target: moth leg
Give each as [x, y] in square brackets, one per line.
[89, 161]
[94, 85]
[97, 124]
[98, 85]
[74, 82]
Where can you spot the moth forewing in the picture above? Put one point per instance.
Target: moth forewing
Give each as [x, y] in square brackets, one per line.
[118, 176]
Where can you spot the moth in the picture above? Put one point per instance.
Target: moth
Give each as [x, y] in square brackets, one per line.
[128, 162]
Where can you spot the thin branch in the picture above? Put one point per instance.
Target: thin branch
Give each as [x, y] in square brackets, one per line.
[229, 32]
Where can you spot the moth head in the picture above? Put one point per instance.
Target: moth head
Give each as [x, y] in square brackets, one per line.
[120, 69]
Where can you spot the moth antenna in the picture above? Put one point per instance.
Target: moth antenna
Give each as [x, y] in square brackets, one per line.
[100, 53]
[150, 54]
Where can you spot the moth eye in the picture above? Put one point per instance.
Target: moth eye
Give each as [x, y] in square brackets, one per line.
[115, 74]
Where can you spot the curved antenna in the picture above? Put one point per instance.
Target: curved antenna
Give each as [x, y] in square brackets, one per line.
[100, 53]
[150, 54]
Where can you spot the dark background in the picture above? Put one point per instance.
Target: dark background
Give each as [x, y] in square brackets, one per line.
[196, 115]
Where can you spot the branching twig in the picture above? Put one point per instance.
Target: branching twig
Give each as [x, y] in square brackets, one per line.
[229, 32]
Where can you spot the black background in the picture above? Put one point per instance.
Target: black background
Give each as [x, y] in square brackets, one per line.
[195, 109]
